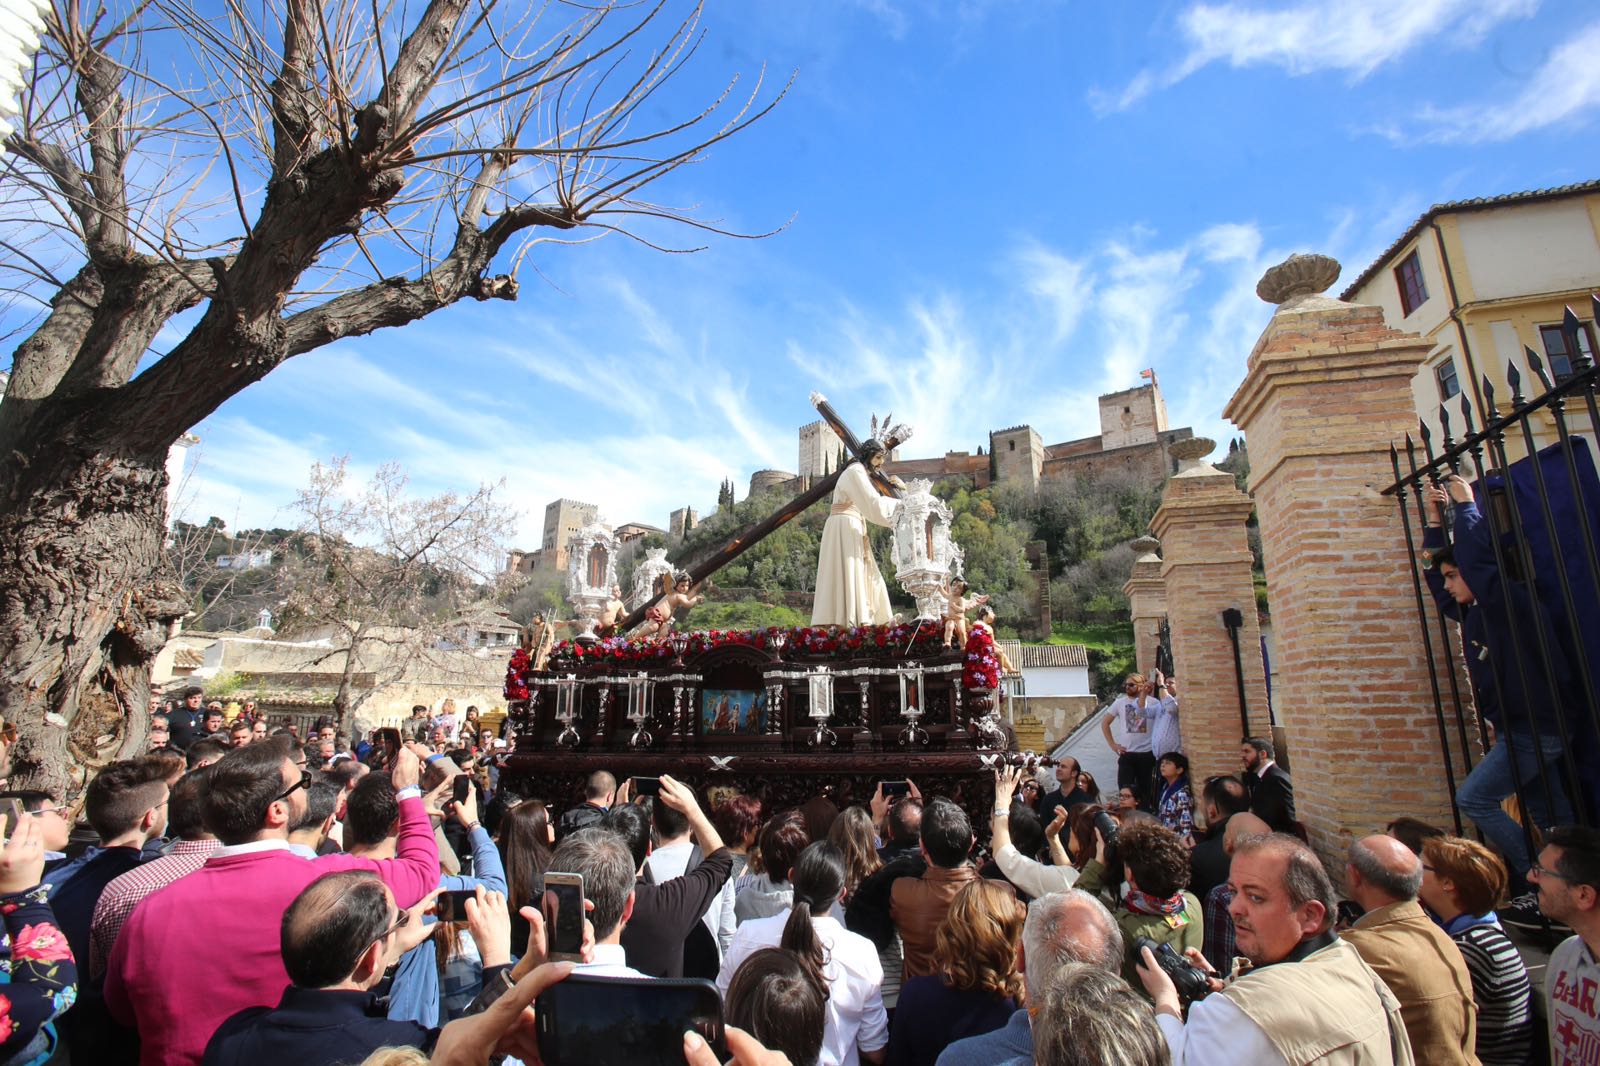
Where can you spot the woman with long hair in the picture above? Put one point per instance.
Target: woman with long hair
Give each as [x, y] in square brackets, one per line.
[1089, 786]
[976, 990]
[856, 838]
[844, 963]
[853, 834]
[1080, 833]
[525, 840]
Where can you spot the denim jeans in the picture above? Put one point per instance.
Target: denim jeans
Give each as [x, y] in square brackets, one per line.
[1490, 782]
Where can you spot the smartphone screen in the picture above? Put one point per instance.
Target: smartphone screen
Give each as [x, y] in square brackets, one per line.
[452, 906]
[895, 789]
[619, 1021]
[461, 787]
[563, 915]
[647, 786]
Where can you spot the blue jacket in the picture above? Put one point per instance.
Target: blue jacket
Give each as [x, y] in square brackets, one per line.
[1009, 1045]
[311, 1027]
[415, 994]
[1486, 632]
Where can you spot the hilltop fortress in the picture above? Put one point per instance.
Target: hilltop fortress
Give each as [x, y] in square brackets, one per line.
[1133, 440]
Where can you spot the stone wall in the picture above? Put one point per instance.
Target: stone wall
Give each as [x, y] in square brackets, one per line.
[1328, 388]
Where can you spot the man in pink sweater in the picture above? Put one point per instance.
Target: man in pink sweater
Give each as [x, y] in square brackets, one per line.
[207, 946]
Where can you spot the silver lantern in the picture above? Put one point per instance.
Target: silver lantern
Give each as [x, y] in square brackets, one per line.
[924, 554]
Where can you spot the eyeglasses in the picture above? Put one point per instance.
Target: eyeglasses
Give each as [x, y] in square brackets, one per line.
[304, 782]
[1541, 873]
[8, 733]
[399, 924]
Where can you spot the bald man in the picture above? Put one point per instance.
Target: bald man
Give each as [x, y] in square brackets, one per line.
[1219, 946]
[339, 936]
[1410, 952]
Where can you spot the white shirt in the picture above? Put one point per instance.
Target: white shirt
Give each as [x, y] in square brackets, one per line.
[610, 960]
[1218, 1032]
[672, 860]
[856, 1017]
[1131, 720]
[1031, 876]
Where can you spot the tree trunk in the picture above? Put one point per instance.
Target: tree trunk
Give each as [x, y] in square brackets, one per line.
[87, 601]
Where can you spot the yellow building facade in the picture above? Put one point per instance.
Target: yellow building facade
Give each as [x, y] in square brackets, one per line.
[1483, 279]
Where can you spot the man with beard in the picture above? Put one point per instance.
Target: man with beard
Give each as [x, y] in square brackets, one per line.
[1271, 791]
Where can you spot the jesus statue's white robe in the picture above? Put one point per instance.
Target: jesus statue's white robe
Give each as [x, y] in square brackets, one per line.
[850, 588]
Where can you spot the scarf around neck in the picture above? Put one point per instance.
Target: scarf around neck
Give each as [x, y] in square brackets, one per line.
[1144, 903]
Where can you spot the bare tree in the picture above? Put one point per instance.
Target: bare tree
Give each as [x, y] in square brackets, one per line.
[291, 173]
[385, 574]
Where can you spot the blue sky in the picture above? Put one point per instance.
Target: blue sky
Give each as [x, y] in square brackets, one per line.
[999, 210]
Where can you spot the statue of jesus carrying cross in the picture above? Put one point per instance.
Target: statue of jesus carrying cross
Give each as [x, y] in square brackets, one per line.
[850, 588]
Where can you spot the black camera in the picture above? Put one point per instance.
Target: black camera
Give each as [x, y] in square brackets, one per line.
[1190, 981]
[1107, 827]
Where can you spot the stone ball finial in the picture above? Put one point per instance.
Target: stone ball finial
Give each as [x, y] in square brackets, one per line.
[1143, 546]
[1192, 449]
[1298, 275]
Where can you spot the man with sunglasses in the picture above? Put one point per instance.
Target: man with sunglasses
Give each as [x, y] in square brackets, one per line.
[337, 939]
[256, 795]
[54, 827]
[1567, 879]
[1126, 724]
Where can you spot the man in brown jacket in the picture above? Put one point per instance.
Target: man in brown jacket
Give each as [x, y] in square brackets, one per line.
[918, 904]
[1419, 963]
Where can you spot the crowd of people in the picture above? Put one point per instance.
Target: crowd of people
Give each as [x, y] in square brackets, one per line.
[251, 895]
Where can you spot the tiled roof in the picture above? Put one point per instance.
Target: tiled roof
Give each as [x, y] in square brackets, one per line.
[1041, 656]
[1481, 203]
[189, 658]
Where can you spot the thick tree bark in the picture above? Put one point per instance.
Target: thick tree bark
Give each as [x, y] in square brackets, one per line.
[87, 595]
[88, 599]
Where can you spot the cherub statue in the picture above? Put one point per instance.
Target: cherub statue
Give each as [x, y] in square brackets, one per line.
[611, 614]
[658, 619]
[955, 611]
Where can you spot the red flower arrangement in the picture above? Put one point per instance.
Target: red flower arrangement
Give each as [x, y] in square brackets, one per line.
[982, 666]
[517, 674]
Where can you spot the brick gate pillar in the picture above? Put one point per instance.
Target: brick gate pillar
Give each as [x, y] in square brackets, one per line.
[1147, 603]
[1327, 389]
[1206, 570]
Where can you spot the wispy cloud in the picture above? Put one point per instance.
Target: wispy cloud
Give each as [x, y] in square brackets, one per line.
[1565, 90]
[1077, 322]
[1352, 36]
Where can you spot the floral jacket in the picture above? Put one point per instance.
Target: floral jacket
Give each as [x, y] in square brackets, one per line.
[1176, 809]
[38, 979]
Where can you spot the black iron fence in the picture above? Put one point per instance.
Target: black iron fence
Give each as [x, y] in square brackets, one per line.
[1510, 616]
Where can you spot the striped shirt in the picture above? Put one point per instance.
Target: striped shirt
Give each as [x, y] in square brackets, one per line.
[127, 890]
[1500, 985]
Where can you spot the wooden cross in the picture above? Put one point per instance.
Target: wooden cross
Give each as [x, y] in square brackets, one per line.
[745, 539]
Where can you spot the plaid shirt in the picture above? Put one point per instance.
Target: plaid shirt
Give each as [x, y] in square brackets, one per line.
[125, 892]
[1219, 947]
